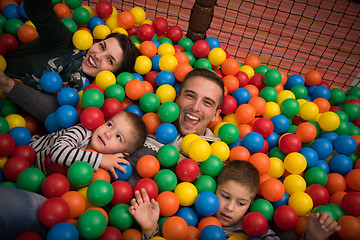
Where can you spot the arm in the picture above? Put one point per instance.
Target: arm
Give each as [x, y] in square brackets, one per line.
[320, 226]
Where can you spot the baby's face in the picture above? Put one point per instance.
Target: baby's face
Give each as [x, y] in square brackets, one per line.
[114, 136]
[234, 201]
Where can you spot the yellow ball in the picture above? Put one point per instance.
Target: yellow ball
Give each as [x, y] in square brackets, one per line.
[139, 14]
[147, 21]
[277, 168]
[91, 11]
[142, 65]
[3, 160]
[199, 150]
[101, 31]
[157, 238]
[308, 111]
[185, 143]
[112, 22]
[2, 63]
[83, 192]
[187, 193]
[294, 183]
[120, 30]
[166, 49]
[239, 236]
[217, 56]
[301, 202]
[295, 163]
[104, 79]
[283, 95]
[114, 12]
[231, 118]
[15, 120]
[168, 63]
[166, 93]
[28, 22]
[221, 150]
[217, 127]
[82, 40]
[248, 70]
[272, 109]
[80, 105]
[329, 121]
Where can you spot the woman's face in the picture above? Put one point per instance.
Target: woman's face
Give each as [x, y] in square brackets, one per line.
[104, 55]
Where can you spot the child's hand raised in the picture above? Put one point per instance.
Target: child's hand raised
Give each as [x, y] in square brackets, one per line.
[320, 226]
[111, 161]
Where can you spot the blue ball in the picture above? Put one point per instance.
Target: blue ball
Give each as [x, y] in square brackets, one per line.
[212, 232]
[22, 11]
[272, 140]
[283, 201]
[341, 164]
[281, 123]
[51, 82]
[311, 156]
[11, 11]
[51, 124]
[95, 21]
[135, 109]
[345, 144]
[323, 165]
[241, 95]
[165, 77]
[21, 135]
[122, 176]
[213, 42]
[311, 89]
[177, 87]
[320, 92]
[236, 143]
[138, 76]
[253, 141]
[331, 136]
[166, 133]
[294, 80]
[66, 116]
[68, 96]
[85, 84]
[155, 63]
[63, 231]
[189, 215]
[157, 43]
[323, 147]
[206, 203]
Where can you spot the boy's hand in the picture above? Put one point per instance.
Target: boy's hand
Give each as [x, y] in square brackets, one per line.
[145, 212]
[320, 226]
[111, 161]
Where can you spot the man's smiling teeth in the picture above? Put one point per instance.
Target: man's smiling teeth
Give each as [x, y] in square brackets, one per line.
[92, 62]
[192, 117]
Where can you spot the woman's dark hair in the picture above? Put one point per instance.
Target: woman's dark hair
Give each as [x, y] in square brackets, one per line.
[131, 52]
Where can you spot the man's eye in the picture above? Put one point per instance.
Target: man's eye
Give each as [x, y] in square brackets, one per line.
[208, 104]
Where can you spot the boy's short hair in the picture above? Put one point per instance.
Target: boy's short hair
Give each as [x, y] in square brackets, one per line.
[242, 172]
[140, 130]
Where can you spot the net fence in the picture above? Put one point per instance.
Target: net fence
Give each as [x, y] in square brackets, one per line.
[294, 36]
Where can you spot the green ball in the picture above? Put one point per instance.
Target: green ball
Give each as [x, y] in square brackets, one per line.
[272, 78]
[291, 129]
[155, 37]
[307, 144]
[337, 96]
[211, 166]
[100, 193]
[354, 130]
[115, 91]
[8, 184]
[342, 115]
[30, 179]
[186, 44]
[4, 125]
[300, 91]
[168, 156]
[169, 112]
[269, 94]
[352, 110]
[91, 224]
[264, 207]
[80, 174]
[317, 126]
[191, 57]
[165, 40]
[228, 133]
[81, 15]
[3, 20]
[277, 152]
[315, 175]
[70, 24]
[12, 26]
[261, 69]
[54, 2]
[347, 98]
[135, 39]
[123, 78]
[290, 107]
[354, 157]
[354, 91]
[73, 4]
[8, 107]
[205, 183]
[326, 209]
[166, 180]
[161, 223]
[338, 211]
[149, 102]
[92, 98]
[343, 129]
[203, 63]
[120, 217]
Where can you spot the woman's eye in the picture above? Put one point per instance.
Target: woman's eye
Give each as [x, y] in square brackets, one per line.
[110, 61]
[102, 46]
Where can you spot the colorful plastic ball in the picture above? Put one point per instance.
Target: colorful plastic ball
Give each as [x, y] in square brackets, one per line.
[13, 25]
[168, 203]
[91, 118]
[295, 163]
[345, 144]
[216, 56]
[135, 109]
[352, 179]
[318, 194]
[143, 65]
[211, 166]
[301, 202]
[263, 126]
[111, 107]
[63, 231]
[277, 168]
[352, 110]
[337, 96]
[350, 227]
[147, 166]
[82, 39]
[212, 232]
[149, 185]
[101, 31]
[27, 33]
[123, 192]
[294, 80]
[70, 24]
[121, 175]
[186, 44]
[254, 224]
[187, 170]
[175, 33]
[92, 98]
[126, 19]
[281, 123]
[25, 152]
[160, 25]
[11, 11]
[323, 147]
[285, 218]
[168, 155]
[253, 141]
[310, 155]
[51, 82]
[100, 193]
[28, 236]
[290, 107]
[51, 124]
[199, 150]
[229, 105]
[341, 164]
[283, 201]
[200, 49]
[264, 207]
[228, 133]
[272, 189]
[186, 193]
[306, 132]
[146, 32]
[68, 96]
[80, 174]
[166, 180]
[104, 79]
[350, 203]
[149, 102]
[165, 77]
[53, 211]
[139, 15]
[166, 133]
[66, 116]
[15, 120]
[13, 167]
[21, 135]
[91, 224]
[120, 217]
[313, 78]
[103, 9]
[55, 185]
[189, 215]
[272, 78]
[175, 228]
[202, 63]
[241, 95]
[30, 179]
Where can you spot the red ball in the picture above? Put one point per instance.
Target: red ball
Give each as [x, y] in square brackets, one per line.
[187, 170]
[151, 78]
[178, 48]
[132, 31]
[7, 144]
[258, 81]
[255, 224]
[103, 9]
[228, 105]
[93, 85]
[26, 152]
[3, 50]
[160, 25]
[91, 118]
[123, 192]
[149, 185]
[219, 73]
[319, 194]
[111, 107]
[264, 126]
[53, 211]
[55, 185]
[175, 33]
[289, 143]
[28, 236]
[201, 48]
[14, 166]
[146, 32]
[243, 78]
[9, 41]
[111, 233]
[351, 203]
[285, 217]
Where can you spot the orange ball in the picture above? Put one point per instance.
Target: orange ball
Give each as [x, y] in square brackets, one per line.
[252, 61]
[259, 104]
[279, 88]
[72, 221]
[100, 209]
[272, 190]
[337, 198]
[32, 124]
[323, 104]
[152, 121]
[336, 183]
[244, 129]
[245, 113]
[306, 132]
[350, 227]
[126, 19]
[148, 48]
[353, 179]
[181, 57]
[168, 203]
[230, 66]
[134, 89]
[254, 91]
[101, 174]
[27, 33]
[263, 178]
[181, 70]
[283, 78]
[147, 166]
[126, 102]
[76, 202]
[148, 87]
[132, 234]
[313, 78]
[261, 161]
[206, 221]
[301, 226]
[214, 122]
[62, 10]
[239, 153]
[193, 233]
[231, 83]
[175, 228]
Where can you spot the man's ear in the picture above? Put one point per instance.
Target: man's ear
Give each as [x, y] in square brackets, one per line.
[216, 114]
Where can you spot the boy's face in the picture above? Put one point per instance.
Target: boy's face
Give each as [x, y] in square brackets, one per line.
[234, 201]
[113, 136]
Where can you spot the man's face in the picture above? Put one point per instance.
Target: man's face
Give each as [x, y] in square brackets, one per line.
[104, 55]
[198, 103]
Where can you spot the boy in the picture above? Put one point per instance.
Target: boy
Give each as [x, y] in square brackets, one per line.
[112, 141]
[237, 187]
